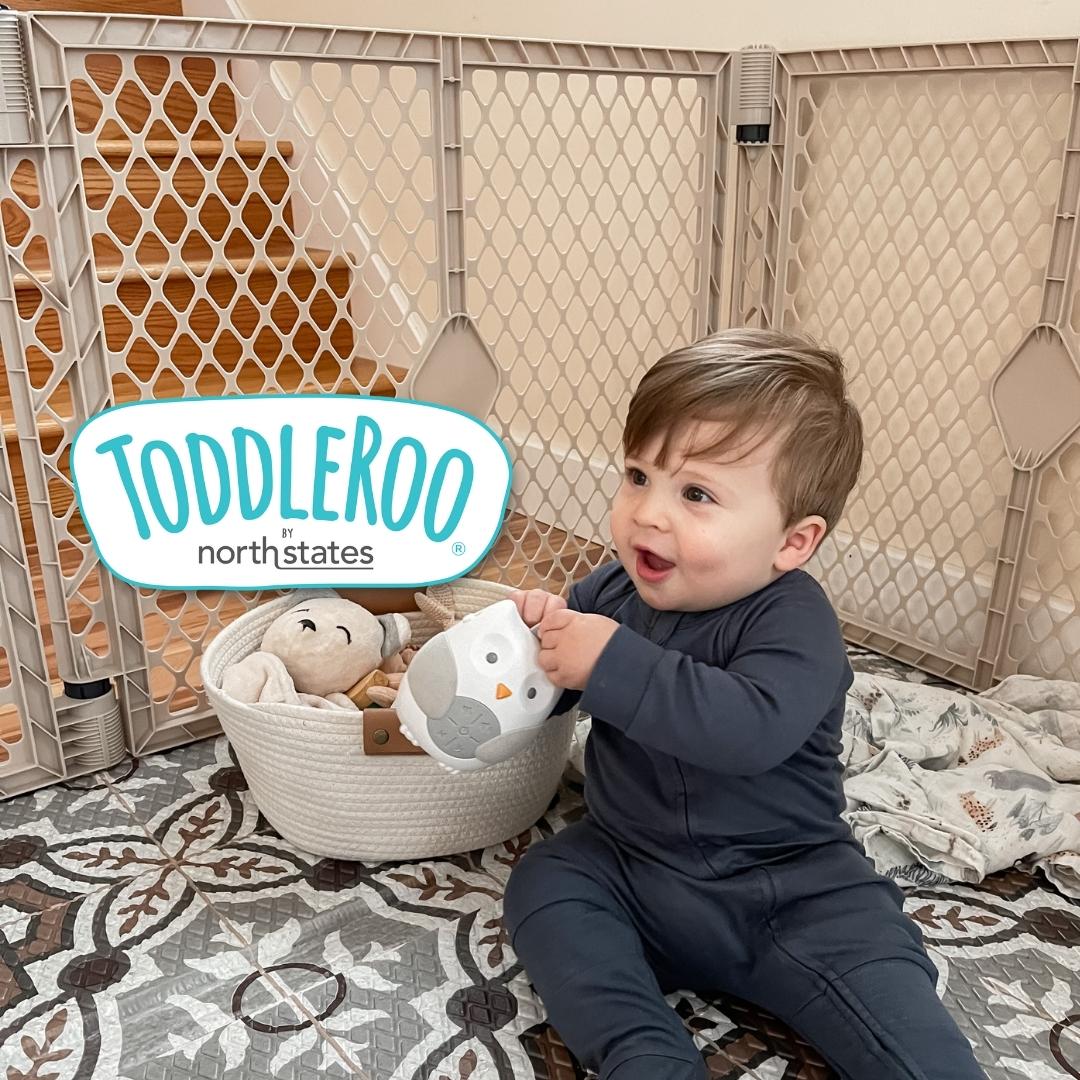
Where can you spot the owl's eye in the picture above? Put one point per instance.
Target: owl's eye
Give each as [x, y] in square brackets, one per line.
[531, 692]
[491, 658]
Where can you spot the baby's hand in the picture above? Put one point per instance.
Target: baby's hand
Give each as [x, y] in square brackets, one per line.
[570, 644]
[534, 604]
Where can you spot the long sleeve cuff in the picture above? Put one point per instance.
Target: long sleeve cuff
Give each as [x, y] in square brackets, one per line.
[620, 677]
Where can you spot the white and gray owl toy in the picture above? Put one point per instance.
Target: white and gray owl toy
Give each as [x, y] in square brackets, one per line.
[475, 694]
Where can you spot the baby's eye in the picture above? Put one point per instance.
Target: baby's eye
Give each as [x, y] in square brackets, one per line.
[692, 494]
[632, 475]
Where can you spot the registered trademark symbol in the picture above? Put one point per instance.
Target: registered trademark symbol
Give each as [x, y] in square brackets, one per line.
[458, 549]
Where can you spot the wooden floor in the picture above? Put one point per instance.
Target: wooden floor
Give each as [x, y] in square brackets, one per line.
[526, 555]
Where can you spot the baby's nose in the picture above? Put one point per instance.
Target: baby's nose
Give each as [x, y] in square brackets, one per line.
[651, 511]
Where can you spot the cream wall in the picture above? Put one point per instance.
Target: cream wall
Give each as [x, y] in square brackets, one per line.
[786, 24]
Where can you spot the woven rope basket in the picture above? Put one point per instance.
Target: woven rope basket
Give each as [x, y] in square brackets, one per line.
[311, 779]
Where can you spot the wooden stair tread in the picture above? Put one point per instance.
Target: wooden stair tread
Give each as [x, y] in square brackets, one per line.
[163, 149]
[102, 7]
[248, 381]
[109, 268]
[286, 259]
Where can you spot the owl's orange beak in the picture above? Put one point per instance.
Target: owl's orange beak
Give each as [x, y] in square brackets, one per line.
[501, 691]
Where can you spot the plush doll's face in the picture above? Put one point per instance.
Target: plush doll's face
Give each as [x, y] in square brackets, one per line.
[328, 644]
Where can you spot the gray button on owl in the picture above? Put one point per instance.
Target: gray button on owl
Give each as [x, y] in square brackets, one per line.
[464, 726]
[475, 694]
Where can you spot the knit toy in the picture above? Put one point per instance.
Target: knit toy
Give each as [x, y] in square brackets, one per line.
[325, 652]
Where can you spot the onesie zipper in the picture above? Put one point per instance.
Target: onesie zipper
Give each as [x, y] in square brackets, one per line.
[682, 793]
[656, 618]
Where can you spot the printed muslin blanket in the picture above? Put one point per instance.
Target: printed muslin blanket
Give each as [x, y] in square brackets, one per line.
[943, 785]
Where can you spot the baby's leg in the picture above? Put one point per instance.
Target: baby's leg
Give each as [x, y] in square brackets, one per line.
[847, 969]
[584, 956]
[884, 1020]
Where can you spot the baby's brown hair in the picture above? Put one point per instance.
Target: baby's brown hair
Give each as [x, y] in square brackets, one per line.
[759, 383]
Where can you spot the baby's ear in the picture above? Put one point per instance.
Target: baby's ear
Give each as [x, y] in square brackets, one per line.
[396, 633]
[800, 544]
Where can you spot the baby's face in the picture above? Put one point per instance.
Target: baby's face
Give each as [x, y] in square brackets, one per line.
[698, 534]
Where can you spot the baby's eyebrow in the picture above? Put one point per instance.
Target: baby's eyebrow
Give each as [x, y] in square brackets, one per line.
[697, 476]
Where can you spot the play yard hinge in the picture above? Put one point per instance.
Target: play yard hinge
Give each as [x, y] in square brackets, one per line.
[15, 97]
[753, 96]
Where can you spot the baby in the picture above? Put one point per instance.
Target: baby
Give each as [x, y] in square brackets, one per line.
[713, 855]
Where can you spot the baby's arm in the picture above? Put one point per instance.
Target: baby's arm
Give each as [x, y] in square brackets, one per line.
[786, 671]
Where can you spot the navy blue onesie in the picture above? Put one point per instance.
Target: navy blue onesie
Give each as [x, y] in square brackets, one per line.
[713, 855]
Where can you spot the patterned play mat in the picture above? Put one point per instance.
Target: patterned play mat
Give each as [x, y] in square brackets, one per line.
[152, 925]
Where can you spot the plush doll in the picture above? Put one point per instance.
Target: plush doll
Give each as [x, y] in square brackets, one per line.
[475, 694]
[326, 652]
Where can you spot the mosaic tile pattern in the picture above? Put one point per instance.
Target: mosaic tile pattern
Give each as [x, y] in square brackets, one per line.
[153, 925]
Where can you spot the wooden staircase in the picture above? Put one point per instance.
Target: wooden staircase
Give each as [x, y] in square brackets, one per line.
[212, 344]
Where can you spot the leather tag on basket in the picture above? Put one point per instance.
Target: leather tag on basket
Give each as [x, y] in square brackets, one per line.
[382, 734]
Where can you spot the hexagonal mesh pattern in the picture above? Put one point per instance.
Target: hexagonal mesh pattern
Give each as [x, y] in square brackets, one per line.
[257, 227]
[265, 211]
[586, 244]
[919, 235]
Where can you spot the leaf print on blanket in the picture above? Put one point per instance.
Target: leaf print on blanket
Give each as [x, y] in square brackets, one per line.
[1032, 817]
[856, 723]
[950, 720]
[908, 707]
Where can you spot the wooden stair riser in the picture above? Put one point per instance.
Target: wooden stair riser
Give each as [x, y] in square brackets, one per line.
[186, 206]
[184, 200]
[196, 80]
[224, 325]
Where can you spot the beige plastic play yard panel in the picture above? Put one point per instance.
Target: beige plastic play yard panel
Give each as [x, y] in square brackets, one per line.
[520, 228]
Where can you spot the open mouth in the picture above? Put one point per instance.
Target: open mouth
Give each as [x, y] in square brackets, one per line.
[651, 566]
